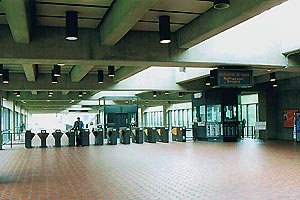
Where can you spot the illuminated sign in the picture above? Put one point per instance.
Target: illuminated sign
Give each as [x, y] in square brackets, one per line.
[231, 78]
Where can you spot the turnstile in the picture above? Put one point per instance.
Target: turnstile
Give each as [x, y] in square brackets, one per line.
[137, 135]
[43, 136]
[163, 134]
[71, 136]
[85, 137]
[28, 138]
[57, 137]
[179, 134]
[125, 136]
[98, 136]
[150, 135]
[112, 136]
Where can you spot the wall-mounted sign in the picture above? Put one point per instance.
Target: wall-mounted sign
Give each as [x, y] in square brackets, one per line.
[231, 78]
[288, 118]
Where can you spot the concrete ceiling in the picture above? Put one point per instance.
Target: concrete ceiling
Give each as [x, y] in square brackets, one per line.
[119, 33]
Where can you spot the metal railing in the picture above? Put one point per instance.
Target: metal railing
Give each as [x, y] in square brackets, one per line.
[249, 132]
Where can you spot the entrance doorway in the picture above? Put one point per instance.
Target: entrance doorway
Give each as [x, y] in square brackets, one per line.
[249, 112]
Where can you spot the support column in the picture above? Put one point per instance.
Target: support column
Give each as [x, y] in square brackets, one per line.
[262, 114]
[165, 116]
[13, 122]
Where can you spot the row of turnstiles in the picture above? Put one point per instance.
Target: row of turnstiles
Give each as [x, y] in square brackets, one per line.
[125, 135]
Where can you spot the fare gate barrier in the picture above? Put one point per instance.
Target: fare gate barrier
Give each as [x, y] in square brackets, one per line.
[150, 135]
[125, 136]
[71, 136]
[137, 135]
[112, 136]
[57, 137]
[28, 138]
[85, 137]
[179, 134]
[43, 136]
[163, 134]
[98, 136]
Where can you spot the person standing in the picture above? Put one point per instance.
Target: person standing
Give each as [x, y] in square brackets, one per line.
[78, 127]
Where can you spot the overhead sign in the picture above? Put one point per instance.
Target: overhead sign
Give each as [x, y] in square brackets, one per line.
[231, 78]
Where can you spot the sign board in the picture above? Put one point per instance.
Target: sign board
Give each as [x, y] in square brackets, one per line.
[288, 118]
[232, 78]
[260, 126]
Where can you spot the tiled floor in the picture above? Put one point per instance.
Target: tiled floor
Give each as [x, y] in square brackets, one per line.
[245, 170]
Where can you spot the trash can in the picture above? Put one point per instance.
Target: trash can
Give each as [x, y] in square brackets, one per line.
[85, 137]
[71, 136]
[57, 137]
[98, 136]
[28, 138]
[112, 136]
[43, 136]
[125, 136]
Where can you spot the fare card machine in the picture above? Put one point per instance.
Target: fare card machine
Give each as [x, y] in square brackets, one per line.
[179, 134]
[43, 136]
[28, 138]
[112, 136]
[57, 137]
[125, 136]
[163, 134]
[85, 140]
[71, 137]
[150, 135]
[297, 125]
[137, 135]
[98, 136]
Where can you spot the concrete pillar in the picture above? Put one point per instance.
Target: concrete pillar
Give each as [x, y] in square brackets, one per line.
[140, 117]
[165, 117]
[262, 111]
[13, 121]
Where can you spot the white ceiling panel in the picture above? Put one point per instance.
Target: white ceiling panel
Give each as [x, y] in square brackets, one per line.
[183, 5]
[82, 2]
[174, 17]
[60, 10]
[146, 26]
[61, 22]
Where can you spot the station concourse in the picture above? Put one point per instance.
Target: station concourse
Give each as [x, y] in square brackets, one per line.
[194, 99]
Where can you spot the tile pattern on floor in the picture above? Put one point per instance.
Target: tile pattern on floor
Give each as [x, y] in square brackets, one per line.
[245, 170]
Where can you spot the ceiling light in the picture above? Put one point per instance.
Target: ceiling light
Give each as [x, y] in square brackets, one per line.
[50, 93]
[207, 81]
[180, 94]
[17, 93]
[100, 76]
[5, 75]
[53, 78]
[111, 71]
[272, 77]
[164, 29]
[221, 4]
[56, 70]
[80, 94]
[71, 25]
[275, 84]
[167, 92]
[1, 69]
[154, 94]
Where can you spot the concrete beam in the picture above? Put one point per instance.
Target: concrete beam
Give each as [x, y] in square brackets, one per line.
[18, 14]
[214, 21]
[121, 18]
[30, 72]
[126, 72]
[79, 71]
[136, 49]
[89, 83]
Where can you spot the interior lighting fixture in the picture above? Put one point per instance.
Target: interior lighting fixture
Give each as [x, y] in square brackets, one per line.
[207, 81]
[80, 94]
[275, 84]
[1, 69]
[56, 70]
[100, 76]
[180, 94]
[221, 4]
[111, 71]
[164, 29]
[154, 94]
[272, 77]
[5, 75]
[71, 25]
[167, 92]
[17, 93]
[50, 94]
[53, 78]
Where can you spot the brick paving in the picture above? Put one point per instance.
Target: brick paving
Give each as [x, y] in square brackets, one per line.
[245, 170]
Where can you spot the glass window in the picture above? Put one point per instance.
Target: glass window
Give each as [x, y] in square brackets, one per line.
[214, 113]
